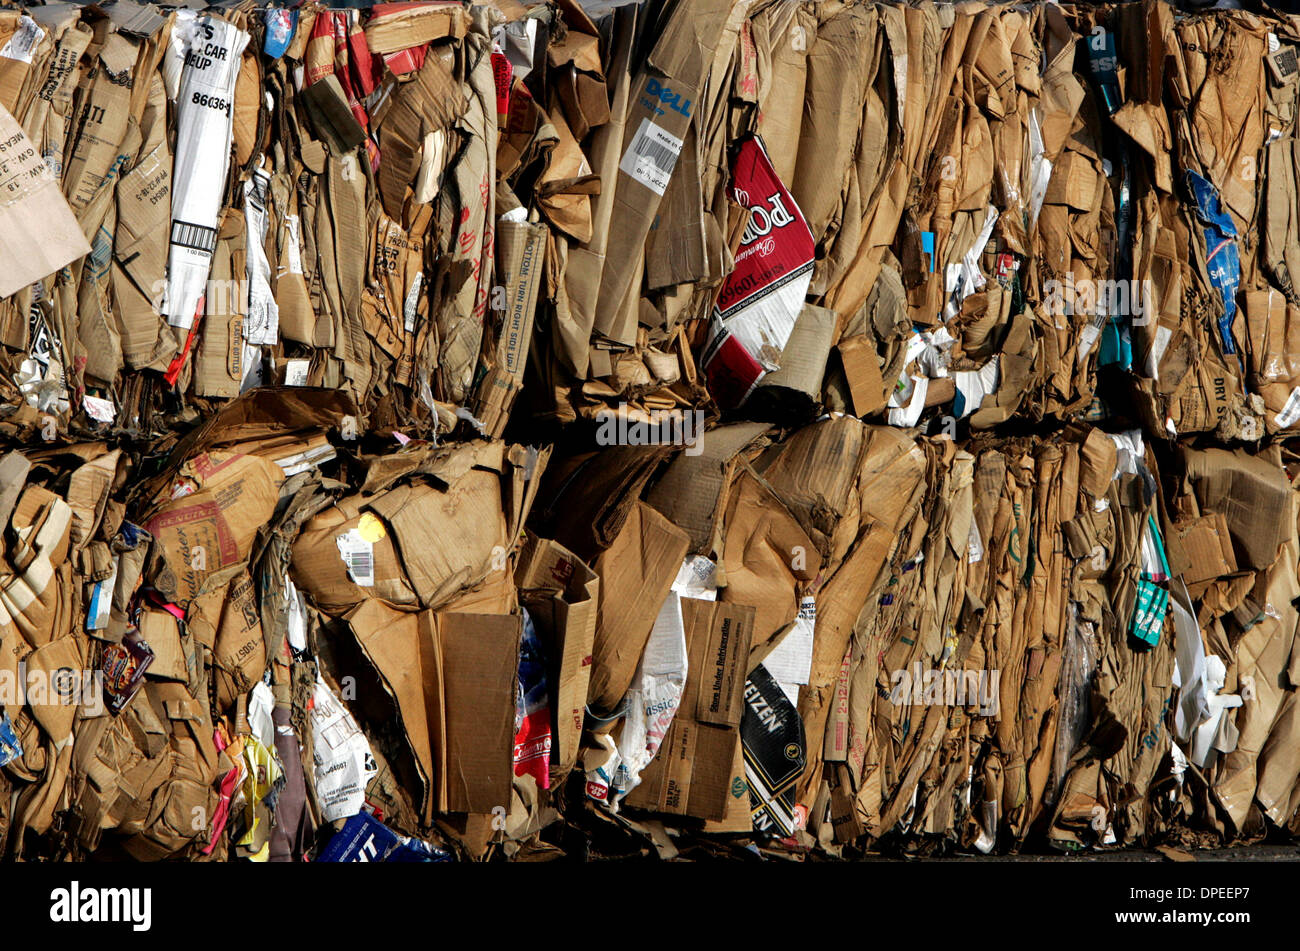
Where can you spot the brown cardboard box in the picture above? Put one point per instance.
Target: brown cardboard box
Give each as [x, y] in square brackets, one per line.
[419, 544]
[562, 596]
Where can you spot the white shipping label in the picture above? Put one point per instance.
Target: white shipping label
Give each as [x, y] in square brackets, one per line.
[1290, 411]
[411, 305]
[293, 244]
[359, 556]
[697, 578]
[651, 156]
[295, 372]
[211, 50]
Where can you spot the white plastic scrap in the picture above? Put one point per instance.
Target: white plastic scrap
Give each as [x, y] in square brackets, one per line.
[964, 277]
[344, 762]
[1040, 168]
[974, 385]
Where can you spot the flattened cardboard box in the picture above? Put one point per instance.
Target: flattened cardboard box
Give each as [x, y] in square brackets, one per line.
[662, 105]
[521, 251]
[470, 662]
[392, 642]
[208, 529]
[38, 232]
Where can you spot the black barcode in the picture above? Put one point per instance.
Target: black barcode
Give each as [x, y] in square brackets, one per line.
[663, 157]
[360, 563]
[194, 236]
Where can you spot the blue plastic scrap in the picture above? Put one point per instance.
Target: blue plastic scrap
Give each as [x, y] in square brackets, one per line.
[10, 748]
[365, 839]
[280, 26]
[1221, 258]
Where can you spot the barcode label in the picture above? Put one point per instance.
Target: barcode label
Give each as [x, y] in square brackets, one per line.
[295, 372]
[198, 237]
[663, 157]
[651, 156]
[361, 564]
[358, 556]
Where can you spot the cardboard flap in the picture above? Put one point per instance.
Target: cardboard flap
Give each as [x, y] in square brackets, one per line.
[692, 493]
[636, 574]
[479, 657]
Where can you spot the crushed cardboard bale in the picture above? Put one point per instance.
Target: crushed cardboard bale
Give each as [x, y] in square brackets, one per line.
[440, 431]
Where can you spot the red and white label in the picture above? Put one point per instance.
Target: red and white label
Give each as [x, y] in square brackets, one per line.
[762, 297]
